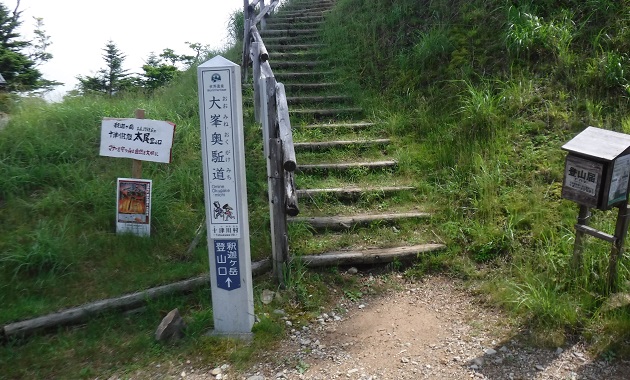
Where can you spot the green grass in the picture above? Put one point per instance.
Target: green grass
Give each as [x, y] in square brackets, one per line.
[478, 97]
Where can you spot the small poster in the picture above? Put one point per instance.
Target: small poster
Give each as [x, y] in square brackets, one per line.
[133, 206]
[227, 264]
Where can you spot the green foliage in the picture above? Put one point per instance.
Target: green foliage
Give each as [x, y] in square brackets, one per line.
[109, 80]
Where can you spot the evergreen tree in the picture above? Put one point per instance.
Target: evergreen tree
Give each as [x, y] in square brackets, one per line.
[17, 65]
[157, 73]
[110, 80]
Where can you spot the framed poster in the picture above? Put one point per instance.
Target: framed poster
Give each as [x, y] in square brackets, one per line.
[133, 206]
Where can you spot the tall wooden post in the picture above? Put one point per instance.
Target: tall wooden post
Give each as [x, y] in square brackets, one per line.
[263, 21]
[136, 167]
[621, 231]
[256, 73]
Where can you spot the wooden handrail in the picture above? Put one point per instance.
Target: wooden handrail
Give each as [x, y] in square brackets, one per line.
[272, 110]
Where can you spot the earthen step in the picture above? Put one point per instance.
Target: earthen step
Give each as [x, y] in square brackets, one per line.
[368, 256]
[347, 222]
[302, 75]
[294, 26]
[347, 165]
[309, 86]
[338, 144]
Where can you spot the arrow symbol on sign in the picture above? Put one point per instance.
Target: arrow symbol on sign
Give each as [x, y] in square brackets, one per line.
[228, 282]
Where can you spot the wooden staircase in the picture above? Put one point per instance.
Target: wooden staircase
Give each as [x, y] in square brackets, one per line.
[350, 189]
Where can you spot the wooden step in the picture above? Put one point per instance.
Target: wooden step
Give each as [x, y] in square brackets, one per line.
[348, 165]
[288, 32]
[346, 222]
[327, 112]
[309, 86]
[368, 256]
[297, 19]
[285, 40]
[318, 99]
[339, 144]
[360, 125]
[294, 26]
[294, 47]
[295, 64]
[350, 192]
[301, 75]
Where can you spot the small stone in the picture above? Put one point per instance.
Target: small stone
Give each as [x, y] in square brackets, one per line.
[353, 270]
[288, 323]
[183, 374]
[280, 312]
[216, 371]
[559, 351]
[539, 367]
[171, 328]
[503, 349]
[474, 367]
[362, 306]
[256, 377]
[490, 351]
[353, 370]
[404, 360]
[267, 296]
[478, 362]
[219, 377]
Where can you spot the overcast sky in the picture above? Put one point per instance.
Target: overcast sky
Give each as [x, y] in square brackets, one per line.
[79, 30]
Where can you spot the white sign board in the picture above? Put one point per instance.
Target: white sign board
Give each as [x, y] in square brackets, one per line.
[133, 206]
[223, 155]
[139, 139]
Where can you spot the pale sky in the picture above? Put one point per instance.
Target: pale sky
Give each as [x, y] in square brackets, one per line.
[79, 30]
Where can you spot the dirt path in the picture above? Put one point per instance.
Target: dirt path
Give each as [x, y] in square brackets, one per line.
[427, 330]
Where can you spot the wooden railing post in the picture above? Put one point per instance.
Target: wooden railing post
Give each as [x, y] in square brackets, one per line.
[263, 22]
[255, 56]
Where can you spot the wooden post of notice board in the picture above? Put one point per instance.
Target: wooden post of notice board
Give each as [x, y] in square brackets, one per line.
[136, 167]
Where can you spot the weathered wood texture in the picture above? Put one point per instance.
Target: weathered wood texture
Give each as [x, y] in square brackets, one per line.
[344, 222]
[81, 313]
[284, 129]
[350, 191]
[339, 144]
[369, 256]
[348, 165]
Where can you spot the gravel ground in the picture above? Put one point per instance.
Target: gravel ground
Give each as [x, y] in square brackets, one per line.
[432, 329]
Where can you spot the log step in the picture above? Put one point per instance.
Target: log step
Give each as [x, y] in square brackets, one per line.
[290, 56]
[293, 47]
[294, 26]
[351, 192]
[284, 40]
[360, 125]
[288, 32]
[339, 144]
[368, 256]
[295, 64]
[301, 75]
[318, 99]
[346, 222]
[311, 86]
[325, 112]
[298, 19]
[350, 165]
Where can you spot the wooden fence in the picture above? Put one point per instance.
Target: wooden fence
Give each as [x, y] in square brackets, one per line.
[272, 111]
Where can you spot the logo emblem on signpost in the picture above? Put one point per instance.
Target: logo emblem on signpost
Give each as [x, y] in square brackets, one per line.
[215, 78]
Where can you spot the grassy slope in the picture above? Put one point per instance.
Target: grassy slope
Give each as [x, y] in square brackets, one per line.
[482, 116]
[484, 94]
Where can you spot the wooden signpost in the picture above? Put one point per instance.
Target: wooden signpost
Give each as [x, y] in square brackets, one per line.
[597, 172]
[223, 156]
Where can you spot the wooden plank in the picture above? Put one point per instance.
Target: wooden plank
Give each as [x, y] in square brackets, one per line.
[348, 165]
[339, 144]
[339, 125]
[595, 233]
[279, 229]
[256, 68]
[337, 99]
[350, 191]
[326, 111]
[344, 222]
[79, 314]
[368, 256]
[284, 129]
